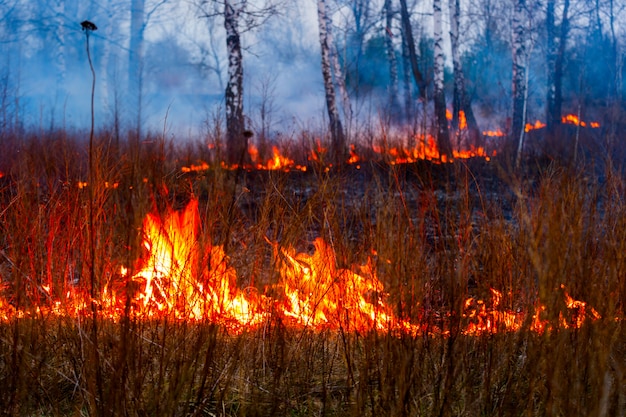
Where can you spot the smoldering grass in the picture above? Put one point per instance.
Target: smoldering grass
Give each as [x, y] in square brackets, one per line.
[436, 235]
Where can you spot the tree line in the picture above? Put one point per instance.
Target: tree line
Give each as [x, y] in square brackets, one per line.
[433, 65]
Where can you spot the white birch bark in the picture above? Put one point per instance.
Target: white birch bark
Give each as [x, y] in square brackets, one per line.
[391, 59]
[338, 72]
[236, 142]
[336, 129]
[443, 140]
[518, 45]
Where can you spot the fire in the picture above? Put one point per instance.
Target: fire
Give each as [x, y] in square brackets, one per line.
[426, 149]
[319, 294]
[462, 120]
[180, 278]
[533, 126]
[572, 119]
[494, 133]
[276, 162]
[184, 278]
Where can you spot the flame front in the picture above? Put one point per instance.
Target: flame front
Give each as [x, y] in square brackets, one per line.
[182, 278]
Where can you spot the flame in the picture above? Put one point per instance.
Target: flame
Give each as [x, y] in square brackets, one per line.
[494, 133]
[319, 294]
[182, 277]
[533, 126]
[572, 119]
[426, 149]
[179, 278]
[462, 120]
[354, 158]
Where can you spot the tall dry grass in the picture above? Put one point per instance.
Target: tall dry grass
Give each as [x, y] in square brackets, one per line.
[441, 234]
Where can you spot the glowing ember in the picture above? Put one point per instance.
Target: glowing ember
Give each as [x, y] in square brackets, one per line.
[572, 119]
[494, 133]
[533, 126]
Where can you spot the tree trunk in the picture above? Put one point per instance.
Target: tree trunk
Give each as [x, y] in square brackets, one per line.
[393, 63]
[236, 142]
[338, 73]
[556, 56]
[460, 100]
[519, 76]
[407, 31]
[443, 137]
[338, 145]
[135, 62]
[60, 62]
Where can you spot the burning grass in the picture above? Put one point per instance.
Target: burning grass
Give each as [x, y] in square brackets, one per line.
[390, 288]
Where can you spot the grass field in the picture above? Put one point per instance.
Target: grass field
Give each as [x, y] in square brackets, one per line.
[497, 293]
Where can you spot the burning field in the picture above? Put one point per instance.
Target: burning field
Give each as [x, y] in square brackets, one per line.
[168, 283]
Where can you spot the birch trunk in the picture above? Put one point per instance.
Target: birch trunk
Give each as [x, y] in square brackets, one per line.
[443, 138]
[393, 62]
[338, 72]
[236, 142]
[460, 100]
[518, 45]
[338, 145]
[135, 62]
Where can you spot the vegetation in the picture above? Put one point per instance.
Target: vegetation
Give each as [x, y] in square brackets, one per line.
[442, 234]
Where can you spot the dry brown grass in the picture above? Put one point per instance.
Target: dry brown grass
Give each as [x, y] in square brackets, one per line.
[441, 233]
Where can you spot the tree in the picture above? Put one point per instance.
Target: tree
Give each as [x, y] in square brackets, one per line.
[555, 59]
[391, 59]
[139, 19]
[443, 137]
[460, 99]
[238, 18]
[518, 46]
[407, 32]
[338, 139]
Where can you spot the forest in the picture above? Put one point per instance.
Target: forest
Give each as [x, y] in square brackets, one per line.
[170, 68]
[312, 208]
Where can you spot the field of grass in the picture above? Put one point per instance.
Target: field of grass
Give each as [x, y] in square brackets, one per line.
[440, 239]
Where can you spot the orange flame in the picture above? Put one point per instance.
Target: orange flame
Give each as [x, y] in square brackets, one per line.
[182, 278]
[533, 126]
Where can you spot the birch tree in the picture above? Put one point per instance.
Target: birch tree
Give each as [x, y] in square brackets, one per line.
[443, 137]
[239, 17]
[391, 59]
[518, 46]
[236, 141]
[460, 99]
[338, 140]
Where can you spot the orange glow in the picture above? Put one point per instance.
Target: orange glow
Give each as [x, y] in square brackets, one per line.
[183, 277]
[494, 133]
[533, 126]
[426, 149]
[354, 158]
[572, 119]
[448, 114]
[320, 294]
[276, 162]
[202, 166]
[462, 120]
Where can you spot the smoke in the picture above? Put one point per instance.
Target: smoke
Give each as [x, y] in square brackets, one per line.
[46, 80]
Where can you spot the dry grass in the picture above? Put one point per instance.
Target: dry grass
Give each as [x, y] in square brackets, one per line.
[441, 233]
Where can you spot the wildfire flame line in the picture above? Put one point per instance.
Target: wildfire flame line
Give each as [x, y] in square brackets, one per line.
[182, 279]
